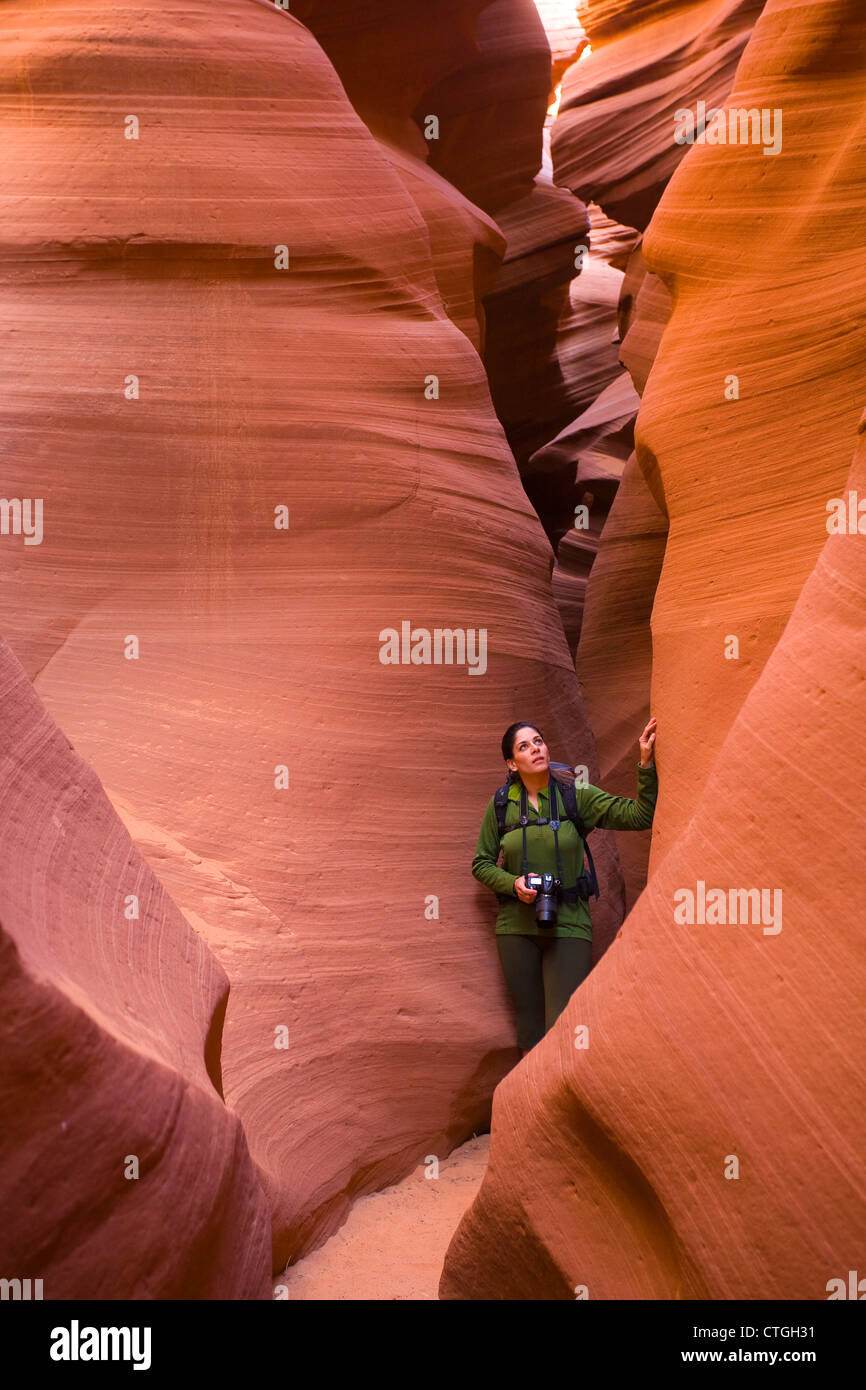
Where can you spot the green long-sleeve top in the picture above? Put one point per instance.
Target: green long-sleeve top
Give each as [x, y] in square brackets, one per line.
[596, 807]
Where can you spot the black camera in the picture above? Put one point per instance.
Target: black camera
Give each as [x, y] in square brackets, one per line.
[547, 888]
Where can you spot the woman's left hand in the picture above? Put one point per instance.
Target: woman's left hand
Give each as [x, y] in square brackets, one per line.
[647, 739]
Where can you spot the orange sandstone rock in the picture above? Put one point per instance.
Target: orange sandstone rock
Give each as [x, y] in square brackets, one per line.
[613, 140]
[491, 106]
[707, 1142]
[111, 1008]
[261, 445]
[738, 554]
[614, 654]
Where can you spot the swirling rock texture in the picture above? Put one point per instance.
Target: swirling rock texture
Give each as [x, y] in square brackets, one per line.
[612, 141]
[261, 442]
[491, 107]
[111, 1010]
[614, 1166]
[491, 112]
[643, 312]
[613, 138]
[601, 439]
[615, 651]
[587, 354]
[386, 54]
[612, 602]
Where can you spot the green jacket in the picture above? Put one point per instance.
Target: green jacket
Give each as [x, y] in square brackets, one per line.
[597, 807]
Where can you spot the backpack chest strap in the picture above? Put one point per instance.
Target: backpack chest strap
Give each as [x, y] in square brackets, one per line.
[501, 800]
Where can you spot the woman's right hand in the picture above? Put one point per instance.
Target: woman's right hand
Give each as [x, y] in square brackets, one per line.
[526, 895]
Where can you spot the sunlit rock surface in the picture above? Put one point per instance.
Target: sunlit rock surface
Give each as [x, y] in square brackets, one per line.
[613, 140]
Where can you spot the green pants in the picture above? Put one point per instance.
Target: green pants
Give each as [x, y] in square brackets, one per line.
[541, 973]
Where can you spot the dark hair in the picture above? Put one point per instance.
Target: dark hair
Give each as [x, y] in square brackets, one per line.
[511, 733]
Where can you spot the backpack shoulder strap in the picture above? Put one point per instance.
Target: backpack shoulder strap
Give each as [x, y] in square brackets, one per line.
[500, 803]
[566, 791]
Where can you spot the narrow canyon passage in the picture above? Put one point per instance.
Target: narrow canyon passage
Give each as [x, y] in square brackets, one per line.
[375, 375]
[548, 328]
[393, 1243]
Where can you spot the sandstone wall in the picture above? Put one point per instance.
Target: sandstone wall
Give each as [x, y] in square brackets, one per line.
[613, 140]
[111, 1009]
[176, 395]
[725, 1040]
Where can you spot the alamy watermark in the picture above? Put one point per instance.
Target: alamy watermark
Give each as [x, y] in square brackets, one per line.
[729, 907]
[449, 646]
[22, 516]
[23, 1289]
[846, 515]
[729, 125]
[855, 1288]
[76, 1343]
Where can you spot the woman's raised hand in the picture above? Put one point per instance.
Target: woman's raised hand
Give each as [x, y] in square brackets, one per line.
[526, 895]
[647, 739]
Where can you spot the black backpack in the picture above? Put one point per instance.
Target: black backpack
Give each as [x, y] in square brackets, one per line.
[560, 787]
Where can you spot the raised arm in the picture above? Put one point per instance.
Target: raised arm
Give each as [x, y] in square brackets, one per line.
[600, 808]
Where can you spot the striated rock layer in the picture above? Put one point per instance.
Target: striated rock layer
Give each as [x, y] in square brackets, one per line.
[462, 119]
[386, 55]
[712, 1148]
[250, 473]
[613, 139]
[614, 654]
[111, 1007]
[566, 36]
[492, 107]
[491, 113]
[779, 393]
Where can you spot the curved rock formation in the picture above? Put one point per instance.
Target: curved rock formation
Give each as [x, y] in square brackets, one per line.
[261, 445]
[710, 1150]
[524, 308]
[718, 242]
[465, 117]
[111, 1013]
[644, 311]
[491, 107]
[613, 140]
[386, 55]
[713, 1149]
[566, 36]
[491, 111]
[614, 653]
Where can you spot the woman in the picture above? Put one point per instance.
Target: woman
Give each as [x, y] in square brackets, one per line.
[543, 965]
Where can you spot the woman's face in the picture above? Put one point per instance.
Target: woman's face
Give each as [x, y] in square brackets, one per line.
[530, 752]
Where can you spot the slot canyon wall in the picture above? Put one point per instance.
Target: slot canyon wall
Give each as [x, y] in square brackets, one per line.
[289, 374]
[111, 1011]
[612, 144]
[713, 1043]
[224, 293]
